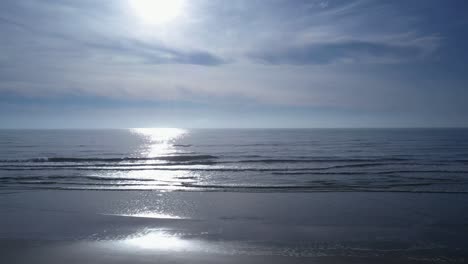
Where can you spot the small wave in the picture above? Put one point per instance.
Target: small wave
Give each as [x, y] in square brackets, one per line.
[71, 166]
[233, 188]
[321, 187]
[424, 171]
[71, 160]
[298, 160]
[315, 172]
[320, 173]
[9, 178]
[214, 169]
[72, 177]
[41, 183]
[364, 165]
[98, 178]
[182, 145]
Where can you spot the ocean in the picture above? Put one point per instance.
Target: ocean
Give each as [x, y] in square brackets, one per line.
[236, 160]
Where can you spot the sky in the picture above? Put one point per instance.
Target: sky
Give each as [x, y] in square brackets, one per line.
[233, 64]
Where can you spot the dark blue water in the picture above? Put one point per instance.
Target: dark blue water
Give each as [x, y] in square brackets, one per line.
[283, 160]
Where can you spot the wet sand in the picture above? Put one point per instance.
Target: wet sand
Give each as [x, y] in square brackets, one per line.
[228, 227]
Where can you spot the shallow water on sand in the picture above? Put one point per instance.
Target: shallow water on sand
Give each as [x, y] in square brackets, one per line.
[52, 226]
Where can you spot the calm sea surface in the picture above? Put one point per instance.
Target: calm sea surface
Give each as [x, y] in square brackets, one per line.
[252, 160]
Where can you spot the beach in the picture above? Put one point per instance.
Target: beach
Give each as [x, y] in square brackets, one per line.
[226, 227]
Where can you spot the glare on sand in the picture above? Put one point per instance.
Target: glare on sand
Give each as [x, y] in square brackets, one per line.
[157, 12]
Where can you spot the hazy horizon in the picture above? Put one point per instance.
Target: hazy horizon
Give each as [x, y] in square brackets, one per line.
[234, 128]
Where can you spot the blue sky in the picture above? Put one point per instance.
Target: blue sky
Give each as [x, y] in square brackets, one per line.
[244, 63]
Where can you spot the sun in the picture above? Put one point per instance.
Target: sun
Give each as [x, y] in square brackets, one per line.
[157, 12]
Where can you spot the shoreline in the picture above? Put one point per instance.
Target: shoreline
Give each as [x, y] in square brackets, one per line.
[277, 190]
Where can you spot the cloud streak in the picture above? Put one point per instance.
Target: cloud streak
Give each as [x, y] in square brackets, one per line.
[341, 52]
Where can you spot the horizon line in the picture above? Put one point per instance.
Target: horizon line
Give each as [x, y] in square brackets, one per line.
[227, 128]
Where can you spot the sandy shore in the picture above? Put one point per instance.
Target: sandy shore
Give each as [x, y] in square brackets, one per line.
[216, 227]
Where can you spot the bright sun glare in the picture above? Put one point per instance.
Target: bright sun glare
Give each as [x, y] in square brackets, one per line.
[157, 12]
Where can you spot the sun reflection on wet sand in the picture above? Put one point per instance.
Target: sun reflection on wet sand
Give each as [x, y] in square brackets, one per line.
[168, 240]
[160, 239]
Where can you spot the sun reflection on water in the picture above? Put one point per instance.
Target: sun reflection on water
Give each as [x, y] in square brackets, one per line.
[161, 161]
[160, 140]
[150, 214]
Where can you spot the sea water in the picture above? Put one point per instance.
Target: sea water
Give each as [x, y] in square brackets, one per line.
[236, 160]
